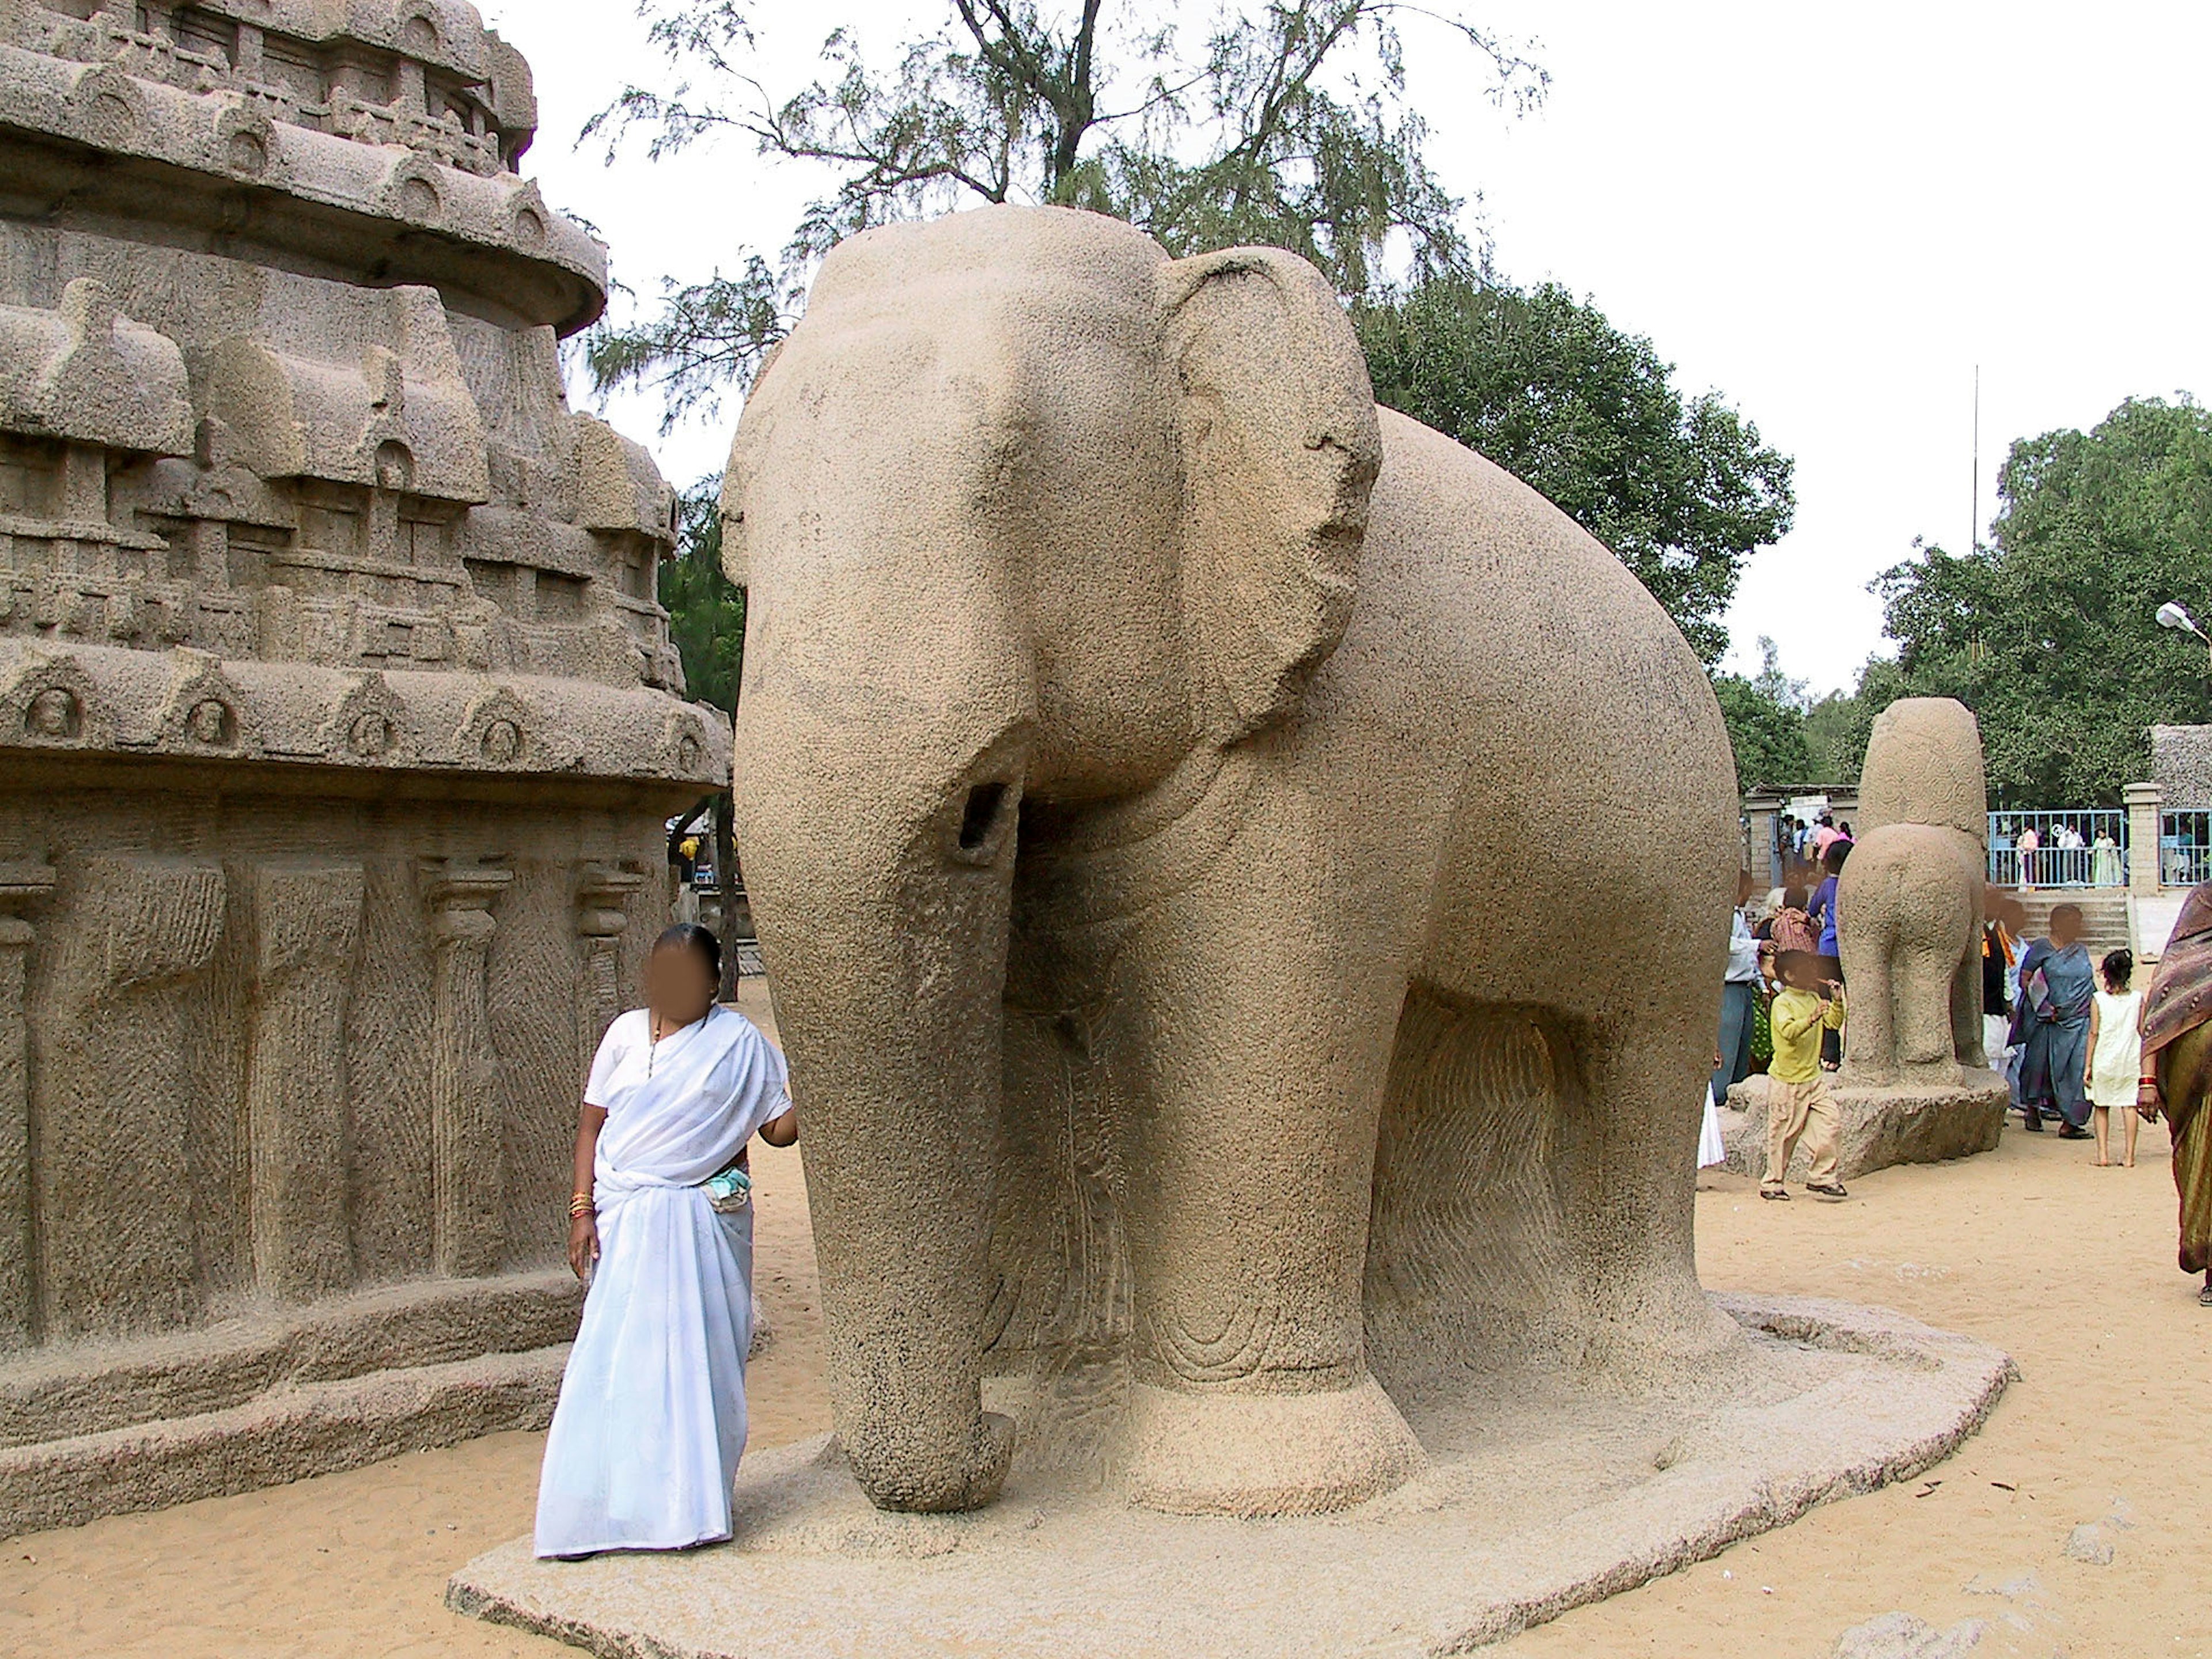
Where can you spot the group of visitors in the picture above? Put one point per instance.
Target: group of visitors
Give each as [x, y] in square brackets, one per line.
[1800, 916]
[2061, 1032]
[1802, 840]
[1783, 1009]
[2074, 1039]
[2070, 859]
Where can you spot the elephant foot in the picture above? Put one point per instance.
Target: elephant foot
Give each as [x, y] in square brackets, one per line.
[1248, 1455]
[1665, 1337]
[895, 1478]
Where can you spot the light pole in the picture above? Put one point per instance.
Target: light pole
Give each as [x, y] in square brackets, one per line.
[2171, 615]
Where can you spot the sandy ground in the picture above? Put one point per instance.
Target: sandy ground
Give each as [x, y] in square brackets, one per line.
[2068, 1268]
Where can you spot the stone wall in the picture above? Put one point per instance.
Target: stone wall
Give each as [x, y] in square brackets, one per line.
[338, 719]
[2181, 766]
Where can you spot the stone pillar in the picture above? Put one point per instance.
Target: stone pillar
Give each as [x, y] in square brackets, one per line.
[467, 1178]
[2144, 800]
[22, 887]
[1765, 863]
[602, 892]
[306, 924]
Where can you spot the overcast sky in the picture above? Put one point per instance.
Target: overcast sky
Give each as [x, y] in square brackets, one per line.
[1829, 215]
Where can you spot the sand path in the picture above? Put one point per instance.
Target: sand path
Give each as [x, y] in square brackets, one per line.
[2068, 1268]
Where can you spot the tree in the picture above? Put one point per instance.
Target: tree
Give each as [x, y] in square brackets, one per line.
[707, 609]
[1284, 125]
[1765, 716]
[1542, 384]
[1829, 724]
[2049, 634]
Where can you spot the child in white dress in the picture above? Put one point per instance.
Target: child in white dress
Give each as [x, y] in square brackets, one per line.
[2115, 1054]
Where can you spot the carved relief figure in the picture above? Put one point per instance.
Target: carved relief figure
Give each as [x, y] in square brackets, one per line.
[1150, 767]
[307, 575]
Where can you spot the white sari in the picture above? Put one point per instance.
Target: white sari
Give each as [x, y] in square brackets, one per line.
[651, 1422]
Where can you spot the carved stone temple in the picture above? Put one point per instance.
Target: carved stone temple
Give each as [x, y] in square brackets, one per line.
[337, 724]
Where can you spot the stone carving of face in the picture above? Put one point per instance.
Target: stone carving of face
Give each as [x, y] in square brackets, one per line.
[52, 713]
[208, 722]
[502, 742]
[371, 736]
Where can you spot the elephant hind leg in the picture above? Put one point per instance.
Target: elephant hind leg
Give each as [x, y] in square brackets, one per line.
[1927, 1014]
[1531, 1202]
[1468, 1266]
[1879, 1036]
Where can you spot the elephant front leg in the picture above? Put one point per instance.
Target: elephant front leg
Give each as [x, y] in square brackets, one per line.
[1252, 1154]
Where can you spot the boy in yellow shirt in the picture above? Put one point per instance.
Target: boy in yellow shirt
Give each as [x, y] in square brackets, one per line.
[1798, 1105]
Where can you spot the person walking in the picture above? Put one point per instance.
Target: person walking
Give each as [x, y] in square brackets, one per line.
[2029, 844]
[2115, 1053]
[2177, 1073]
[1739, 995]
[1800, 1111]
[2050, 1025]
[651, 1420]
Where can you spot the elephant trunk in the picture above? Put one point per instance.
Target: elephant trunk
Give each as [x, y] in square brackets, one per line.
[884, 907]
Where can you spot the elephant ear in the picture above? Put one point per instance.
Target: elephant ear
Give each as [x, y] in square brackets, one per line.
[1281, 448]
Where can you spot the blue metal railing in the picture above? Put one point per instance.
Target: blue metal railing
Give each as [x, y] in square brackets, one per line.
[2185, 848]
[2085, 847]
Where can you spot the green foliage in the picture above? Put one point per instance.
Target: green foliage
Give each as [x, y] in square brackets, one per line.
[1831, 725]
[1283, 124]
[706, 609]
[1765, 716]
[2050, 634]
[1542, 384]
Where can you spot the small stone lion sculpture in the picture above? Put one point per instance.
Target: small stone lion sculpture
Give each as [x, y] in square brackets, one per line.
[1909, 901]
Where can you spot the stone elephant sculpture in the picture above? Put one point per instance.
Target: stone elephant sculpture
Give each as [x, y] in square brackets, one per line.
[1239, 875]
[1909, 902]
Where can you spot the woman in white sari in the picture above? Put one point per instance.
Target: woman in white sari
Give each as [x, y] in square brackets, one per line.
[651, 1421]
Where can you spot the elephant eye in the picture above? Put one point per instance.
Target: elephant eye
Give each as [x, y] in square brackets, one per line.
[984, 802]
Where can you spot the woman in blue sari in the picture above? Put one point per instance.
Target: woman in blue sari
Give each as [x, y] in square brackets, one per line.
[2051, 1026]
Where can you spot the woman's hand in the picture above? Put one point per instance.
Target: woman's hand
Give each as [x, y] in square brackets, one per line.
[583, 1243]
[2148, 1100]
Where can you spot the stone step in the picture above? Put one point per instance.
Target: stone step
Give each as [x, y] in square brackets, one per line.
[285, 1435]
[2104, 916]
[92, 1387]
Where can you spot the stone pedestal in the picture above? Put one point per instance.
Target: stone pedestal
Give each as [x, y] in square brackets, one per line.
[1881, 1126]
[1544, 1497]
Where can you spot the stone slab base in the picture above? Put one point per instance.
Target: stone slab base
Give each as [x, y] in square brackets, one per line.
[97, 1428]
[1542, 1500]
[1881, 1126]
[286, 1435]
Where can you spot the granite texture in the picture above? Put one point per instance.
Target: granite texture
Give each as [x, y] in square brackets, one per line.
[1167, 783]
[1910, 901]
[1536, 1499]
[339, 720]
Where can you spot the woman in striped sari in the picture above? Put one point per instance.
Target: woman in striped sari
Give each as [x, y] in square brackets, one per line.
[2177, 1073]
